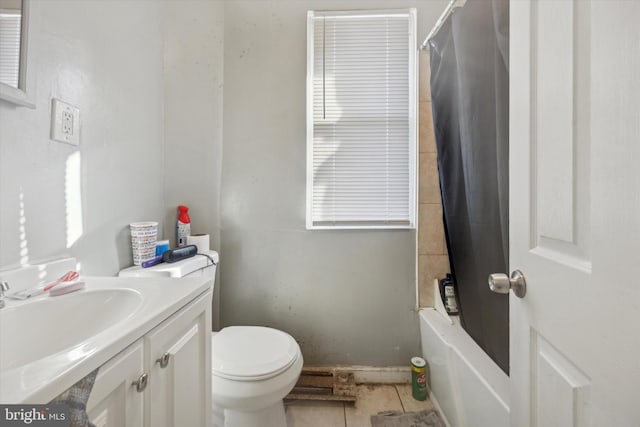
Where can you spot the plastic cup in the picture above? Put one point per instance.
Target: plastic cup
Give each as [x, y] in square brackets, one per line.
[143, 240]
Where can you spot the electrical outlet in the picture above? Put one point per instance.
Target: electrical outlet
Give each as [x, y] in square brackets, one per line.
[65, 122]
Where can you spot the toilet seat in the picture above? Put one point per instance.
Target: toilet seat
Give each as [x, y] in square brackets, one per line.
[252, 353]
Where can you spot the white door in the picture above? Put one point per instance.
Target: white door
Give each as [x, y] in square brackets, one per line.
[575, 212]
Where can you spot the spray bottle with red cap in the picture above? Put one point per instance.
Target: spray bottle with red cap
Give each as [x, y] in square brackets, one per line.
[184, 225]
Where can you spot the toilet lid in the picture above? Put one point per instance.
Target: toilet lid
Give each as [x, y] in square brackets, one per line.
[247, 353]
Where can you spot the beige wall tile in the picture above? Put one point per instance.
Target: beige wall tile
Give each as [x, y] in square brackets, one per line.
[427, 137]
[433, 261]
[424, 75]
[425, 293]
[430, 267]
[429, 184]
[436, 266]
[430, 229]
[423, 218]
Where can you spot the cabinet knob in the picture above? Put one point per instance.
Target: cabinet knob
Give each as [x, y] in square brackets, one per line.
[164, 360]
[141, 383]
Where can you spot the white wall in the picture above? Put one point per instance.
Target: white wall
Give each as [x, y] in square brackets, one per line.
[347, 296]
[193, 73]
[105, 58]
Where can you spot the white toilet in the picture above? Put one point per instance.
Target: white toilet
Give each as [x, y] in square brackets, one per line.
[253, 367]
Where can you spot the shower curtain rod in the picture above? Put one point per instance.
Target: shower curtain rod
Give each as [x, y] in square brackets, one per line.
[452, 5]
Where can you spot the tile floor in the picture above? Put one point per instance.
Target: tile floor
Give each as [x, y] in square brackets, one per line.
[371, 400]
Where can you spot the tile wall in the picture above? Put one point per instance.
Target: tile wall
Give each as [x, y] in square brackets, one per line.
[433, 261]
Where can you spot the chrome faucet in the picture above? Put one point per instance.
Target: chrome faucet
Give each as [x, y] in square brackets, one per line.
[4, 287]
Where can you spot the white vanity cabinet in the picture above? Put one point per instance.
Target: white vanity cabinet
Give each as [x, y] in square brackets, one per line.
[114, 400]
[178, 357]
[175, 356]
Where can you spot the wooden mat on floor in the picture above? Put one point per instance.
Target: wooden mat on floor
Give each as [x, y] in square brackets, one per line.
[324, 385]
[426, 418]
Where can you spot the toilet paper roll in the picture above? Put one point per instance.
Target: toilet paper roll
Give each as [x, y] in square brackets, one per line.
[201, 241]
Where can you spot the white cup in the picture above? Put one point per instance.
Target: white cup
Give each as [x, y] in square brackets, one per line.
[143, 240]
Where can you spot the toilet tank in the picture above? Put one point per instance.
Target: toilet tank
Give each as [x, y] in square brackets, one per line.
[196, 266]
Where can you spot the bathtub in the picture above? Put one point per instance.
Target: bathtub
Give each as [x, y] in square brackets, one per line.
[467, 386]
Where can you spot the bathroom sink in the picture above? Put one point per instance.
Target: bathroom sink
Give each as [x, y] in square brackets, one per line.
[49, 343]
[38, 328]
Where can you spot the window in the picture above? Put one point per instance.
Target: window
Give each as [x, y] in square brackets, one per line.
[10, 21]
[361, 119]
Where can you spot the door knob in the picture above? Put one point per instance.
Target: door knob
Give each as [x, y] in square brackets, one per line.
[501, 283]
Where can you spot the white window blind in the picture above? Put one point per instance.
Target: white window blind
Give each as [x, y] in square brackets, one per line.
[10, 48]
[361, 119]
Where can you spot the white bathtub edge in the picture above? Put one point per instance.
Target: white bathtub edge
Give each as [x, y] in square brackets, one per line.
[459, 366]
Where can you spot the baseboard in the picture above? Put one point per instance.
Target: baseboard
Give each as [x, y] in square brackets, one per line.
[371, 374]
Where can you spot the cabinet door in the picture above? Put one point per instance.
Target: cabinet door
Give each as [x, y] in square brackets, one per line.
[114, 399]
[179, 360]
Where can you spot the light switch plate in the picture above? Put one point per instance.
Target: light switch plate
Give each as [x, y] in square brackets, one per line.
[65, 122]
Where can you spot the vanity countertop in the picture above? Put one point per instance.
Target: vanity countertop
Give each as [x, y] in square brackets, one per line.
[66, 337]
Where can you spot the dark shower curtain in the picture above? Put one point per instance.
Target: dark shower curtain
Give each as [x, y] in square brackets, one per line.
[470, 99]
